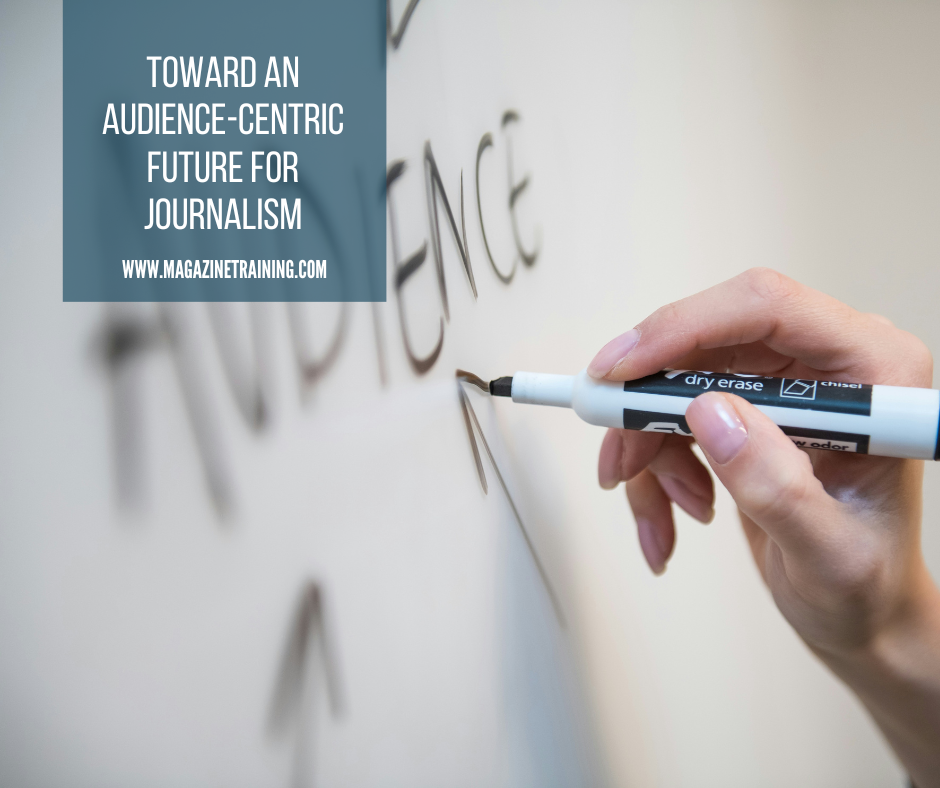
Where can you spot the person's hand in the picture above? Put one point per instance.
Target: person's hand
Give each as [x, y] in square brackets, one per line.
[835, 536]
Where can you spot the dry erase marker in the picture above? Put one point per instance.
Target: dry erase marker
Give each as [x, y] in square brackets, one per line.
[890, 421]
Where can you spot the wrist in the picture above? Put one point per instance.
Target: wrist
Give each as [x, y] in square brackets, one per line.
[896, 674]
[906, 643]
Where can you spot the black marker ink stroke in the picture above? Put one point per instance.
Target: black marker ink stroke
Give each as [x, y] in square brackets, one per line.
[122, 341]
[309, 626]
[435, 188]
[395, 36]
[203, 416]
[465, 409]
[376, 315]
[486, 141]
[471, 421]
[403, 271]
[515, 191]
[312, 370]
[473, 380]
[244, 379]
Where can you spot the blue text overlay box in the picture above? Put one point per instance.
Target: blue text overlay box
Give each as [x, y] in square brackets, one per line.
[224, 151]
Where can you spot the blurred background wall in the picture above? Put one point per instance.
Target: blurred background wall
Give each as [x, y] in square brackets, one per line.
[165, 555]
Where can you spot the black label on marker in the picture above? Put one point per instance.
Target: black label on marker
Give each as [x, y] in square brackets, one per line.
[826, 439]
[673, 424]
[824, 395]
[650, 421]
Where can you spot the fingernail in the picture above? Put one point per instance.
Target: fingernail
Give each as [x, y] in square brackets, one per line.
[698, 507]
[613, 353]
[719, 429]
[651, 544]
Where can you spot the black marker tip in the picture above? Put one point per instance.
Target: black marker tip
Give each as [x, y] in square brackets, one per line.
[501, 387]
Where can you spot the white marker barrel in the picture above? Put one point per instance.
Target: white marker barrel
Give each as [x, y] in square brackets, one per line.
[890, 421]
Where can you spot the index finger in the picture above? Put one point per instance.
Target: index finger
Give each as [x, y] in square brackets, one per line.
[763, 306]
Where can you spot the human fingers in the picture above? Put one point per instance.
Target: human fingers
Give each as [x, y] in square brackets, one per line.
[608, 460]
[838, 567]
[684, 479]
[880, 318]
[753, 358]
[757, 540]
[763, 306]
[771, 480]
[625, 453]
[653, 513]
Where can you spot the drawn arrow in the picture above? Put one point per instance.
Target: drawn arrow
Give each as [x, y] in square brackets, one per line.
[292, 705]
[473, 429]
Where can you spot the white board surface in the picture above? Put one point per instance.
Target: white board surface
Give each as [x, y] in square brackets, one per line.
[152, 571]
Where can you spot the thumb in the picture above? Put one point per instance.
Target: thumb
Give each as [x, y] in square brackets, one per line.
[770, 479]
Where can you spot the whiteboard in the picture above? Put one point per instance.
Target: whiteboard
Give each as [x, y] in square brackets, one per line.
[251, 545]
